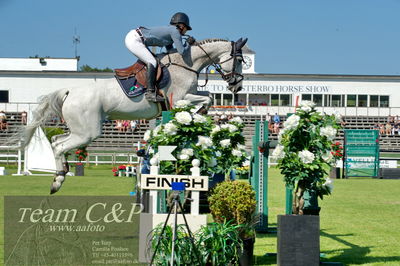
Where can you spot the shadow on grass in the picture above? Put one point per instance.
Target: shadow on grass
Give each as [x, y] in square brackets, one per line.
[354, 254]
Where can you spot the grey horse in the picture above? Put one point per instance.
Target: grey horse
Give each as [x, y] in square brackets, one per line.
[84, 109]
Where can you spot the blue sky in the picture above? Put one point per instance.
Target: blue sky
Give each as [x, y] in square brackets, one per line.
[288, 36]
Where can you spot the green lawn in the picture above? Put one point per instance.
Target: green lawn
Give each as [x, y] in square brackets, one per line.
[359, 221]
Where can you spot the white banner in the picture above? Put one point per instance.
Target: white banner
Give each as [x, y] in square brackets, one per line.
[163, 182]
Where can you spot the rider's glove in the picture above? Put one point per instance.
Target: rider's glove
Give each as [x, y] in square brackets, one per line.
[190, 40]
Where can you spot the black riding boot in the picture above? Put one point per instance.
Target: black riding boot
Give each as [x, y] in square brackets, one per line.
[151, 93]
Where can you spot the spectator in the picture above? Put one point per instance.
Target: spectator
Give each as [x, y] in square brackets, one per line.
[3, 121]
[24, 117]
[125, 125]
[134, 124]
[118, 125]
[388, 128]
[276, 127]
[395, 129]
[381, 129]
[277, 119]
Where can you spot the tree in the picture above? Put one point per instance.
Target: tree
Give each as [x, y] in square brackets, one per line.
[87, 68]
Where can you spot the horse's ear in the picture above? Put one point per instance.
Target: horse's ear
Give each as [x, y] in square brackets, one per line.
[240, 43]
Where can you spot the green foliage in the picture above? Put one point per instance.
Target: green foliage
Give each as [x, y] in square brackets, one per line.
[233, 201]
[216, 243]
[87, 68]
[219, 243]
[183, 249]
[304, 151]
[52, 131]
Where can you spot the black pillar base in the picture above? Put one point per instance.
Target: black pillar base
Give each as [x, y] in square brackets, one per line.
[298, 240]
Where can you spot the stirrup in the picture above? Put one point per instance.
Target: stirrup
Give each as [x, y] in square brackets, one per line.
[154, 97]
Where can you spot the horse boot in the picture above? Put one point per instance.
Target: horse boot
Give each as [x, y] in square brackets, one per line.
[151, 93]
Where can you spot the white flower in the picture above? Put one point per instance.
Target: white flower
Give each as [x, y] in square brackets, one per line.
[329, 132]
[246, 163]
[281, 132]
[278, 152]
[156, 130]
[170, 128]
[306, 156]
[147, 135]
[327, 156]
[241, 147]
[232, 128]
[292, 122]
[182, 103]
[188, 151]
[218, 154]
[337, 116]
[183, 118]
[183, 156]
[225, 143]
[212, 162]
[328, 184]
[237, 119]
[204, 142]
[199, 118]
[215, 130]
[236, 153]
[306, 106]
[224, 126]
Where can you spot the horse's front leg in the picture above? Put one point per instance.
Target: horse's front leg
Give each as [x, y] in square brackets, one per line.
[199, 99]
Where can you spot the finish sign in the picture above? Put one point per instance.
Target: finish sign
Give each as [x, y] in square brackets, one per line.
[164, 182]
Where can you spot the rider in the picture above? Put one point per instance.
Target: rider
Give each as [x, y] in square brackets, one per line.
[138, 40]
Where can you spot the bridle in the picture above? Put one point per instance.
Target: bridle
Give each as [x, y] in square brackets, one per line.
[226, 76]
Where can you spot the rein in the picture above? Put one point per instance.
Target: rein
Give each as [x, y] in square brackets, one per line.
[217, 66]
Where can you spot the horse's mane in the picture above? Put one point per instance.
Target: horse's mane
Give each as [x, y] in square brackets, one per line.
[211, 40]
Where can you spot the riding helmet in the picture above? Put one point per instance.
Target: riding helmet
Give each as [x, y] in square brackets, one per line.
[180, 17]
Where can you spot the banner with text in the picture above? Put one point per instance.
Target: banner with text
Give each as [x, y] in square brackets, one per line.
[71, 230]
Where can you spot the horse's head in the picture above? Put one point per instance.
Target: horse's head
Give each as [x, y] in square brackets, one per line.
[230, 66]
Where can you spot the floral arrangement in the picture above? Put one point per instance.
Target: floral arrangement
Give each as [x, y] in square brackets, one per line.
[220, 148]
[305, 153]
[81, 154]
[115, 171]
[244, 169]
[337, 150]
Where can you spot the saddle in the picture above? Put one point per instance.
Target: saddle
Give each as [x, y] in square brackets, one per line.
[139, 71]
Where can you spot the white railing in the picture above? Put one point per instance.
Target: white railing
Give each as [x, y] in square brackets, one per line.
[93, 158]
[252, 110]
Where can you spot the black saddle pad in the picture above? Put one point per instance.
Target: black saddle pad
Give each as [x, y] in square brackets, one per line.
[132, 88]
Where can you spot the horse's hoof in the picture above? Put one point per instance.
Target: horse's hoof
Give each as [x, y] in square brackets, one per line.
[54, 187]
[52, 190]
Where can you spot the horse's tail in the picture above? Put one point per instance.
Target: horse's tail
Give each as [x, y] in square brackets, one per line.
[49, 105]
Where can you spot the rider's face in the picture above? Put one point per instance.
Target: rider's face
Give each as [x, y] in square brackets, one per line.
[183, 29]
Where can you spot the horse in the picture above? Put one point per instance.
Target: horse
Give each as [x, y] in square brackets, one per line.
[84, 109]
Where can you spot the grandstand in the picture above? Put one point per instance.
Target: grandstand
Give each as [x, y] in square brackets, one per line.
[114, 140]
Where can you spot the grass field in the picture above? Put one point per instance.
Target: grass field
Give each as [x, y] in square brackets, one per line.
[359, 222]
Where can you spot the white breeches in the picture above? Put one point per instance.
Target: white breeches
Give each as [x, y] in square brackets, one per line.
[135, 44]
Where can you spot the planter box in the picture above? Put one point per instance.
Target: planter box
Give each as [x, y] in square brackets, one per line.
[335, 172]
[298, 240]
[79, 170]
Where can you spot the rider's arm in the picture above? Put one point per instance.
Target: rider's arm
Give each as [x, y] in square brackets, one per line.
[177, 39]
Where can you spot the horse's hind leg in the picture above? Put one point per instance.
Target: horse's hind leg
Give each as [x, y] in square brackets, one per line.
[57, 140]
[72, 141]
